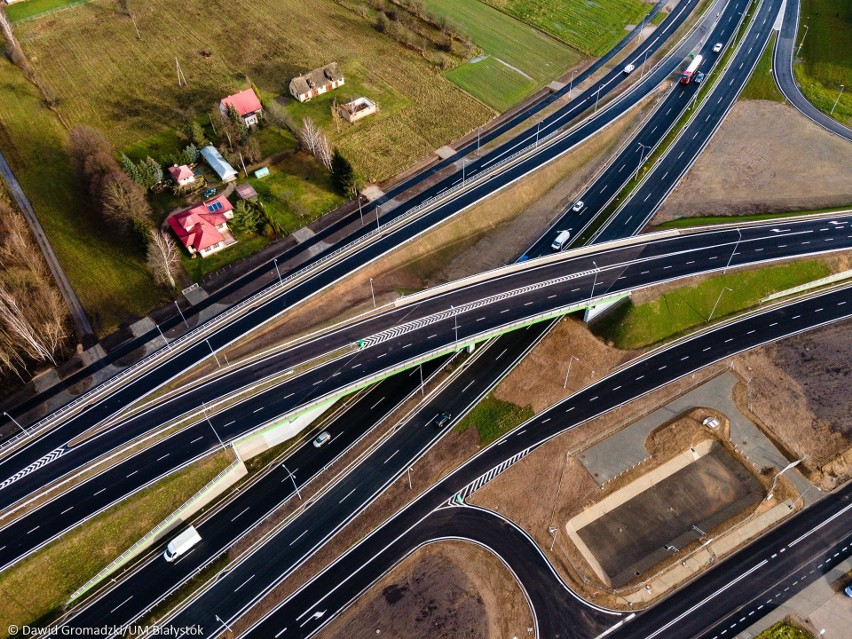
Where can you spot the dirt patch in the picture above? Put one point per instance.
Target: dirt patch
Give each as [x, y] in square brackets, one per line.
[799, 396]
[540, 379]
[765, 158]
[444, 590]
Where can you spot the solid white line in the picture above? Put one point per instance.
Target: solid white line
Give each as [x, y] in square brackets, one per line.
[815, 528]
[347, 495]
[163, 457]
[391, 457]
[298, 538]
[121, 604]
[244, 583]
[242, 512]
[196, 440]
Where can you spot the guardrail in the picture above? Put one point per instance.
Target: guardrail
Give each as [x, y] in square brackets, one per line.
[829, 279]
[153, 535]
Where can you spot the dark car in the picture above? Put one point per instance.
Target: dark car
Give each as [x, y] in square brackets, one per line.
[210, 192]
[442, 419]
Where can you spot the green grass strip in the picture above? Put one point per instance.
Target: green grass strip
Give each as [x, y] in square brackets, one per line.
[493, 417]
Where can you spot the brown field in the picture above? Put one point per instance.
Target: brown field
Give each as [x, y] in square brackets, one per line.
[447, 590]
[765, 158]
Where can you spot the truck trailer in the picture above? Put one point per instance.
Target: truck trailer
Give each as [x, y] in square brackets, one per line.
[689, 73]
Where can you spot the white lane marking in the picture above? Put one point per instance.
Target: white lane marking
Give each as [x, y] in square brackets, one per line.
[241, 513]
[244, 583]
[298, 538]
[347, 495]
[391, 457]
[257, 410]
[377, 403]
[121, 604]
[163, 457]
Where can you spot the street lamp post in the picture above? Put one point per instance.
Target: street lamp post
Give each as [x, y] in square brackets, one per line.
[378, 225]
[464, 164]
[802, 43]
[224, 624]
[293, 478]
[372, 292]
[165, 341]
[734, 252]
[409, 478]
[360, 211]
[570, 361]
[594, 282]
[643, 147]
[17, 423]
[537, 131]
[207, 417]
[210, 346]
[455, 325]
[422, 385]
[181, 314]
[834, 106]
[277, 270]
[792, 464]
[717, 302]
[597, 95]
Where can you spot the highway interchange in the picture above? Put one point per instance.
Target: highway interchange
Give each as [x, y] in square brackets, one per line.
[593, 276]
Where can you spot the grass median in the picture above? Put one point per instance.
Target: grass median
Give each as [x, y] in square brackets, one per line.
[493, 417]
[34, 589]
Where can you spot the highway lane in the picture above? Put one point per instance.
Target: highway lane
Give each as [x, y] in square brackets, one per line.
[756, 579]
[440, 323]
[52, 444]
[667, 172]
[147, 584]
[629, 383]
[782, 70]
[267, 270]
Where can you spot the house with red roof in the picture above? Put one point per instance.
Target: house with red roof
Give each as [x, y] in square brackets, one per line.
[203, 228]
[245, 103]
[182, 174]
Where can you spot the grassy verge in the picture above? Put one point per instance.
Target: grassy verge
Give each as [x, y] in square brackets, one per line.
[681, 310]
[784, 630]
[687, 222]
[492, 417]
[826, 56]
[659, 17]
[21, 10]
[591, 27]
[761, 85]
[34, 589]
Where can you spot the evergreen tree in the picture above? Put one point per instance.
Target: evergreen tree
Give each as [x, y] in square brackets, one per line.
[196, 134]
[247, 217]
[190, 154]
[151, 172]
[342, 173]
[131, 169]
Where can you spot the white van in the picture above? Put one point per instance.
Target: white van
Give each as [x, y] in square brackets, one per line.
[560, 241]
[181, 544]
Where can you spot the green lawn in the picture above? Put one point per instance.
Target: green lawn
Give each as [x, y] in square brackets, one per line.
[493, 417]
[826, 57]
[107, 270]
[659, 17]
[30, 8]
[492, 82]
[590, 27]
[296, 192]
[761, 85]
[247, 244]
[681, 310]
[37, 586]
[501, 36]
[784, 630]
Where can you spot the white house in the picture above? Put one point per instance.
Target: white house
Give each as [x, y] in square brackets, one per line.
[316, 82]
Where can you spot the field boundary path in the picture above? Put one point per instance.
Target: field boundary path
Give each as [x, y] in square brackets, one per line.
[782, 69]
[78, 315]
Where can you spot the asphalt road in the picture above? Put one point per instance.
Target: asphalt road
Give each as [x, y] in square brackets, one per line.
[395, 338]
[147, 584]
[352, 572]
[299, 256]
[782, 69]
[43, 454]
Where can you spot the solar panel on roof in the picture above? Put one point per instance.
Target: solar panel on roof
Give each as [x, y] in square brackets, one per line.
[216, 206]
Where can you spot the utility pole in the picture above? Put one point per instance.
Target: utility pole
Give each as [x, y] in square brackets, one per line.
[181, 313]
[834, 106]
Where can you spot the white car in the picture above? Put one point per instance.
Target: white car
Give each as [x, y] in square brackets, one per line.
[717, 47]
[578, 206]
[629, 69]
[322, 439]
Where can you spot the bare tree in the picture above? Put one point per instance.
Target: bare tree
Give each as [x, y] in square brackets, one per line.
[315, 142]
[324, 153]
[124, 200]
[163, 258]
[21, 328]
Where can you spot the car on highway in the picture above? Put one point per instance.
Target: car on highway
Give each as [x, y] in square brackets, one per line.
[322, 439]
[629, 69]
[578, 206]
[717, 47]
[848, 590]
[560, 241]
[699, 78]
[442, 419]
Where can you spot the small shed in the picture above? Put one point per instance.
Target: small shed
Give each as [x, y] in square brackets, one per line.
[246, 191]
[219, 165]
[357, 109]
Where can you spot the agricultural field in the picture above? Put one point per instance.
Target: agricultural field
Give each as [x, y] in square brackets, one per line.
[520, 59]
[103, 75]
[825, 60]
[107, 271]
[589, 27]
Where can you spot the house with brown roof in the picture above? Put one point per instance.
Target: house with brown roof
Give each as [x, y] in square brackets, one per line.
[316, 82]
